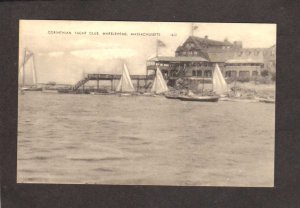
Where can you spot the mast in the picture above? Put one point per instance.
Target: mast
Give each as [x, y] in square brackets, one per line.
[203, 75]
[34, 70]
[23, 81]
[156, 47]
[212, 77]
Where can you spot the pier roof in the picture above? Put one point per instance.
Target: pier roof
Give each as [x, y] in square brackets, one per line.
[179, 59]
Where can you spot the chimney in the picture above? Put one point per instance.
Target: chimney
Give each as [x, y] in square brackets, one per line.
[206, 37]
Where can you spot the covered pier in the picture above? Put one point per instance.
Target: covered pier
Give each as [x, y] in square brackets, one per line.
[111, 78]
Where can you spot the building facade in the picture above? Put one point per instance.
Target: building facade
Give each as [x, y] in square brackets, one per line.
[196, 58]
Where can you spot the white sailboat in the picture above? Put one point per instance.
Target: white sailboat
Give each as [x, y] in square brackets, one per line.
[27, 73]
[125, 84]
[219, 84]
[159, 85]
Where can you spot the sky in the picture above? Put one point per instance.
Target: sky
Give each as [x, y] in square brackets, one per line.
[81, 47]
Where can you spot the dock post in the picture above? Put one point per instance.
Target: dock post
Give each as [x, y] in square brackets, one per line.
[97, 85]
[111, 84]
[138, 85]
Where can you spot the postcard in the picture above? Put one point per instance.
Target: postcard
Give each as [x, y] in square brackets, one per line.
[146, 103]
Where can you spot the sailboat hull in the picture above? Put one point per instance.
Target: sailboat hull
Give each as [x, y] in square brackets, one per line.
[199, 98]
[32, 89]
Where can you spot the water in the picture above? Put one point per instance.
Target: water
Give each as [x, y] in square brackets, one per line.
[106, 139]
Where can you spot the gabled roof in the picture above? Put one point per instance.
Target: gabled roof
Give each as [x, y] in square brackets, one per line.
[203, 41]
[179, 59]
[198, 41]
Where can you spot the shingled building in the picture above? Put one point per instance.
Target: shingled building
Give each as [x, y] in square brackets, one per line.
[196, 57]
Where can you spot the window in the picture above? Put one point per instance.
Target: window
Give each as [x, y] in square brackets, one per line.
[254, 73]
[207, 73]
[199, 73]
[183, 53]
[244, 74]
[194, 73]
[233, 73]
[228, 74]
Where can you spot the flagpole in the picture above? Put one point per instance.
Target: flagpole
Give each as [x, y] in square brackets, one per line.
[192, 29]
[156, 47]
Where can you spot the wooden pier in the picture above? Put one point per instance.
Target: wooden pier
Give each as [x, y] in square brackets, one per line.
[109, 77]
[138, 78]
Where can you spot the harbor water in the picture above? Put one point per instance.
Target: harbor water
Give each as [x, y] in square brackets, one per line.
[138, 140]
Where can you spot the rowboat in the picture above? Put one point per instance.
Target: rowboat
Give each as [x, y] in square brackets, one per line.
[199, 98]
[263, 100]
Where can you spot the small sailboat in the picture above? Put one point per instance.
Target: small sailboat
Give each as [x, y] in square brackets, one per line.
[159, 85]
[125, 86]
[219, 85]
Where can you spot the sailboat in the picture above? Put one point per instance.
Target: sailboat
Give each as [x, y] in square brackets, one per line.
[219, 84]
[125, 86]
[27, 68]
[159, 85]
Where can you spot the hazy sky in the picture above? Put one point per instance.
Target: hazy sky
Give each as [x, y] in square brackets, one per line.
[64, 58]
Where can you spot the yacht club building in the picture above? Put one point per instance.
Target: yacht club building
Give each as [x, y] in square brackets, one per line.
[196, 58]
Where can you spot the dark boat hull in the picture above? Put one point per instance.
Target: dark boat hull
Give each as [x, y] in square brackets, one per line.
[171, 97]
[267, 101]
[200, 99]
[32, 89]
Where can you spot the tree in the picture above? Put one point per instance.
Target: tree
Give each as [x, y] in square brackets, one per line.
[264, 73]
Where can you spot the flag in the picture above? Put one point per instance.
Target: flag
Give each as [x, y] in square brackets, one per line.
[195, 27]
[159, 43]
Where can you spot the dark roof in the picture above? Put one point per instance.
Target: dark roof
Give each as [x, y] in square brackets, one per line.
[199, 40]
[220, 57]
[179, 59]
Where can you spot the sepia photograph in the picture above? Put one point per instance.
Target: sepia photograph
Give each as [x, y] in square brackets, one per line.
[146, 103]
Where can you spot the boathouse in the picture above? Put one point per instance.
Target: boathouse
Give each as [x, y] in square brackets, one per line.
[196, 57]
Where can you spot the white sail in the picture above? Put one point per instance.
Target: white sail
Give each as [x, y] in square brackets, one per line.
[27, 73]
[219, 84]
[125, 84]
[159, 84]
